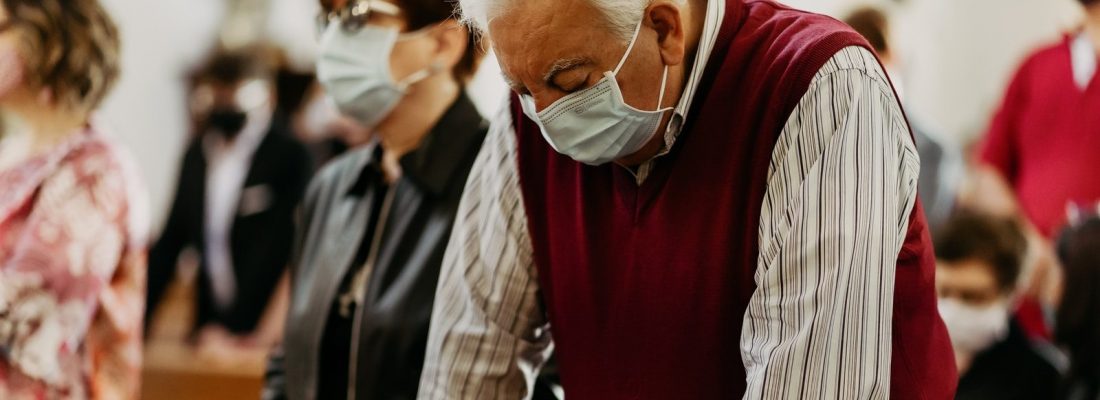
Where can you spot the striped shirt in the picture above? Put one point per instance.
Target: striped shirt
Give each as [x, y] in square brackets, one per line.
[818, 324]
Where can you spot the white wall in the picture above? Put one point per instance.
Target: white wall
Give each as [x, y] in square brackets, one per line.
[958, 55]
[161, 41]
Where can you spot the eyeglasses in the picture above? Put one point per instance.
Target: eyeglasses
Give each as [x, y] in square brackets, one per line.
[356, 14]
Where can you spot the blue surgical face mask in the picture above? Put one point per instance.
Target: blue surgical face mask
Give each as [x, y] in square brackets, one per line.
[354, 68]
[595, 125]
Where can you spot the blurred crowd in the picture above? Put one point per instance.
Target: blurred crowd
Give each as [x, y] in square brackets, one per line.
[314, 206]
[1005, 214]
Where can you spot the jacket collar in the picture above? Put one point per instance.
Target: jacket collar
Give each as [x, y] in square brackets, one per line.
[433, 166]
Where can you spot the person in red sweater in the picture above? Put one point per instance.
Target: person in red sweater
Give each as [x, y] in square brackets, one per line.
[688, 199]
[1040, 154]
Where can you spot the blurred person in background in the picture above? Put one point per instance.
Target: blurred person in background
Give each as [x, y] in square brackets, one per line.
[242, 178]
[941, 165]
[327, 133]
[1039, 154]
[979, 262]
[376, 221]
[1077, 325]
[311, 115]
[72, 214]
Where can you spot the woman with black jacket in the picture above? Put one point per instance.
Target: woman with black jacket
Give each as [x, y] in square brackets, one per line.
[375, 223]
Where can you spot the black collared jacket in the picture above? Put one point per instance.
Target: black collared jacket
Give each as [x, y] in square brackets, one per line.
[339, 208]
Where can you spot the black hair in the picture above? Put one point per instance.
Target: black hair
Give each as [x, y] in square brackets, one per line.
[997, 241]
[230, 67]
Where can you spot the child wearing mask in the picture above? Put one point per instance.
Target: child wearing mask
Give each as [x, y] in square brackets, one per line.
[978, 266]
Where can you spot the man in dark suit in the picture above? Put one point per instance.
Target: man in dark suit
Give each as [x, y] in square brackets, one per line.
[242, 178]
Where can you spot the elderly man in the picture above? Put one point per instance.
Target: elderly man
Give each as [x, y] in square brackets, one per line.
[695, 200]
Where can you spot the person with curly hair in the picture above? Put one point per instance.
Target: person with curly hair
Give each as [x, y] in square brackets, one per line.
[72, 220]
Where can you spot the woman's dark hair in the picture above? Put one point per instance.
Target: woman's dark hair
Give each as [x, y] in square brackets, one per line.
[71, 47]
[997, 241]
[1077, 323]
[424, 13]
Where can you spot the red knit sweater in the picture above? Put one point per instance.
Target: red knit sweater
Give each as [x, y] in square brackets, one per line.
[1046, 138]
[646, 286]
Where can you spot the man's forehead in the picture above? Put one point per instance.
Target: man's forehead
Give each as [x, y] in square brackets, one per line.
[543, 34]
[546, 16]
[543, 63]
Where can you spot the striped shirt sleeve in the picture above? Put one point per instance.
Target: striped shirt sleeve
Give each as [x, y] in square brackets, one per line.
[840, 190]
[489, 334]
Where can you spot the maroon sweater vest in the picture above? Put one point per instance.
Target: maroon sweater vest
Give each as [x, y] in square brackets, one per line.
[646, 286]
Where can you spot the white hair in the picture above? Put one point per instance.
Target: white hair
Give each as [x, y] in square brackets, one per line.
[622, 16]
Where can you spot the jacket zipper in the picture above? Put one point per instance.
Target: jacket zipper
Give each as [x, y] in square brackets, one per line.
[359, 289]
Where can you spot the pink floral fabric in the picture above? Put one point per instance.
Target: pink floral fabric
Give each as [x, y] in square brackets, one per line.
[72, 274]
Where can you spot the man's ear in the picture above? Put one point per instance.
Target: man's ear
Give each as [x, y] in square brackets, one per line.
[665, 17]
[451, 42]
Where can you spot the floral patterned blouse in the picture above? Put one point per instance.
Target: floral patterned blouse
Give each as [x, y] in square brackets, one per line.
[72, 274]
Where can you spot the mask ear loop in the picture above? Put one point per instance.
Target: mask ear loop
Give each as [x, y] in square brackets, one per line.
[661, 98]
[420, 75]
[416, 34]
[423, 74]
[664, 78]
[420, 32]
[630, 48]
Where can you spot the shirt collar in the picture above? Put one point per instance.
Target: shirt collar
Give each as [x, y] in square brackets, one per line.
[437, 161]
[712, 24]
[715, 14]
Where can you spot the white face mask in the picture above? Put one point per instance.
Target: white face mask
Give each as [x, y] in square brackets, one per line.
[354, 68]
[595, 125]
[974, 329]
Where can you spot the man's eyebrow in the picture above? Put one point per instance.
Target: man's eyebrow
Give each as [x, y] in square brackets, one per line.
[563, 65]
